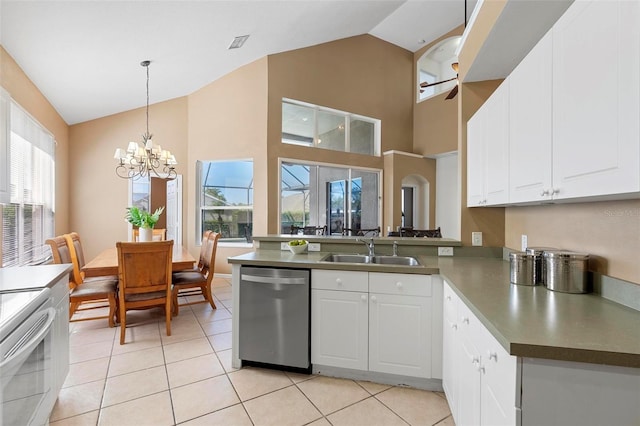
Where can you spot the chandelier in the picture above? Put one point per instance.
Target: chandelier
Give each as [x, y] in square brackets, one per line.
[143, 159]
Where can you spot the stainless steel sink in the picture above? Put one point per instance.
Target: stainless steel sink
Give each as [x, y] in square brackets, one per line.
[395, 260]
[348, 258]
[379, 260]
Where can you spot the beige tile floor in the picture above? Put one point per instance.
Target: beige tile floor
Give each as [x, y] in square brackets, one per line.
[187, 379]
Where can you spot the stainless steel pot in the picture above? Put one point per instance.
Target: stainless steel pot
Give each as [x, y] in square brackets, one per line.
[538, 255]
[567, 272]
[522, 268]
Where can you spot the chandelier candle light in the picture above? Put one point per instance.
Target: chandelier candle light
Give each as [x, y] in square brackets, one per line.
[140, 160]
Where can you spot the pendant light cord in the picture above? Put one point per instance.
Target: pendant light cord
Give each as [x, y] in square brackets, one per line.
[465, 24]
[147, 66]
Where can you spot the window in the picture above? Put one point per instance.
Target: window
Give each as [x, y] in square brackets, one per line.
[225, 198]
[338, 197]
[435, 65]
[319, 127]
[28, 217]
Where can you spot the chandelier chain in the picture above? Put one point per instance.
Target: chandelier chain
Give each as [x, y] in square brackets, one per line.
[147, 100]
[143, 160]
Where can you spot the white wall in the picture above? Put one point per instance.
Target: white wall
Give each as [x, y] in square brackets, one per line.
[447, 195]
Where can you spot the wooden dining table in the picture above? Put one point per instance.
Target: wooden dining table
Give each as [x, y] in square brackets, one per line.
[106, 263]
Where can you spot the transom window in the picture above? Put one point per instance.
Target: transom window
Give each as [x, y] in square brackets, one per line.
[225, 199]
[320, 127]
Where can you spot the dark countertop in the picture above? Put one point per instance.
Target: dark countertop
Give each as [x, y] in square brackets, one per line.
[527, 321]
[31, 277]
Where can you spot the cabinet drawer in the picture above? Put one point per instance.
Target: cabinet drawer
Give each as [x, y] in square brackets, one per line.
[339, 280]
[401, 284]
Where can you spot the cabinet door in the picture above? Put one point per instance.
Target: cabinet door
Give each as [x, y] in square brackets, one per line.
[496, 159]
[468, 396]
[339, 329]
[475, 159]
[596, 146]
[530, 126]
[60, 333]
[498, 383]
[400, 334]
[450, 349]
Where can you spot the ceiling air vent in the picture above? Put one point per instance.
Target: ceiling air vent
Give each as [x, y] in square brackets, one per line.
[238, 42]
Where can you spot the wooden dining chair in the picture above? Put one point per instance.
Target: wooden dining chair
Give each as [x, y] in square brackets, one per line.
[190, 283]
[361, 232]
[203, 250]
[77, 252]
[309, 230]
[93, 290]
[60, 254]
[420, 233]
[158, 234]
[145, 279]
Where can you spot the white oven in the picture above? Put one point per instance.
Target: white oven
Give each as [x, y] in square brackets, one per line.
[26, 369]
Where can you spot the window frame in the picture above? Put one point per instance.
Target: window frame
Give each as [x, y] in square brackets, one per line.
[348, 168]
[201, 208]
[348, 118]
[38, 137]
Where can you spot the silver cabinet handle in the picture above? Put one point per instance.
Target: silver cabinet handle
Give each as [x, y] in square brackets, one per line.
[272, 280]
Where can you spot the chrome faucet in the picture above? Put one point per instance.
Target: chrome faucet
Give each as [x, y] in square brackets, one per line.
[370, 245]
[395, 248]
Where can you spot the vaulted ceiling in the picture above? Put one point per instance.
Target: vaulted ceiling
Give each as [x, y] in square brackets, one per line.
[85, 56]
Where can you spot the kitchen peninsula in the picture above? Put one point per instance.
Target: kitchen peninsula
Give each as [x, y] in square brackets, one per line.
[554, 344]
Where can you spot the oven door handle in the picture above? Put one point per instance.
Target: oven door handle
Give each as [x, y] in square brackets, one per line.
[31, 338]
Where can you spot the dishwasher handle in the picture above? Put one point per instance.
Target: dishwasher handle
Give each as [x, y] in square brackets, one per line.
[272, 280]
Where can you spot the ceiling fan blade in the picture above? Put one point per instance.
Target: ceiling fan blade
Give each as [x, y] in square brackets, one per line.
[423, 85]
[452, 94]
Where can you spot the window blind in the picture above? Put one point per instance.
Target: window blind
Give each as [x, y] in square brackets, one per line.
[28, 218]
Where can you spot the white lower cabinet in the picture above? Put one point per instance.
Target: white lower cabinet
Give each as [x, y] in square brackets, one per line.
[400, 324]
[339, 328]
[385, 327]
[479, 376]
[60, 357]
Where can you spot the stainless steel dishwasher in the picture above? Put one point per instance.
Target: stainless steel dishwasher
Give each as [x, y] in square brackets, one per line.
[274, 317]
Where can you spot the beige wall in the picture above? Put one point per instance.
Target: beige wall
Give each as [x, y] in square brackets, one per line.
[397, 166]
[98, 197]
[609, 231]
[27, 95]
[435, 120]
[488, 220]
[228, 121]
[362, 75]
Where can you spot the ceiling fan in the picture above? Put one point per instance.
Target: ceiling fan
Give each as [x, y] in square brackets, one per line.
[452, 94]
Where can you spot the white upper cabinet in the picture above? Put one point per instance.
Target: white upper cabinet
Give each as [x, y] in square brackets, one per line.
[475, 159]
[488, 151]
[530, 133]
[573, 115]
[596, 100]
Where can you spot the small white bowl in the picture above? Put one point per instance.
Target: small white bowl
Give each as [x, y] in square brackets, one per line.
[298, 249]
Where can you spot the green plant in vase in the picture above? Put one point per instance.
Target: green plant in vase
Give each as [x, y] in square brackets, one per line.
[143, 220]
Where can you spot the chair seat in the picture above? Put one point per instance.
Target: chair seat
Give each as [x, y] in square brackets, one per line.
[94, 288]
[101, 278]
[187, 277]
[145, 296]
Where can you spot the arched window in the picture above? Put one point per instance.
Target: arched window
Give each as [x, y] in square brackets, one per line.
[435, 65]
